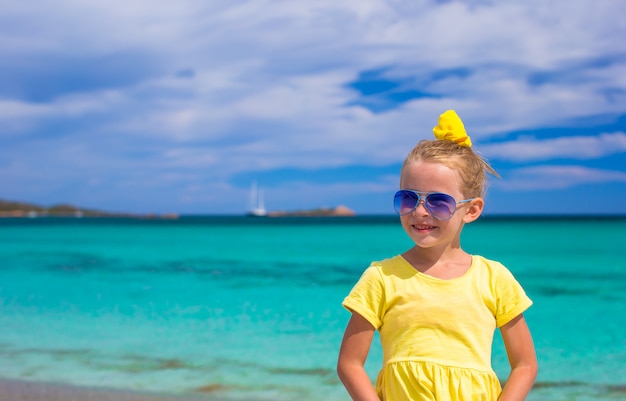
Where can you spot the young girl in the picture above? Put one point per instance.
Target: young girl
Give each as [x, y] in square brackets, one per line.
[436, 307]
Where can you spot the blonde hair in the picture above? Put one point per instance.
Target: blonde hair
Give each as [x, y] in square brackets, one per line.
[472, 167]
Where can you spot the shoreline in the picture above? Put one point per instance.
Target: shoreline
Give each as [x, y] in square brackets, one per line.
[25, 390]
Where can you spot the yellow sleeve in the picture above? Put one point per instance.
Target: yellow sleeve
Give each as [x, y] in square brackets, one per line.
[511, 299]
[367, 297]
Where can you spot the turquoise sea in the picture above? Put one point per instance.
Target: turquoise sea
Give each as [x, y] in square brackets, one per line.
[242, 308]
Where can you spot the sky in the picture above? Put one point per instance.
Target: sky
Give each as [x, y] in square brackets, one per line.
[179, 107]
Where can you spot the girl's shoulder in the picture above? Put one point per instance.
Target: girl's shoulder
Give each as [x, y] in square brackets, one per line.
[395, 265]
[501, 292]
[388, 262]
[494, 273]
[481, 263]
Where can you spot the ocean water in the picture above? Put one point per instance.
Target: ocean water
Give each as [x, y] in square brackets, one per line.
[250, 309]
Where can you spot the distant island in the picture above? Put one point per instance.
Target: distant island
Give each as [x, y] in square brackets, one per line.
[339, 211]
[257, 208]
[16, 209]
[23, 209]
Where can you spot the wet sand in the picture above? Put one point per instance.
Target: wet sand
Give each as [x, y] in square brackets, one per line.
[17, 390]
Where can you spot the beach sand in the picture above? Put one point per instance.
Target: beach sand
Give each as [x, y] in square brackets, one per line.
[17, 390]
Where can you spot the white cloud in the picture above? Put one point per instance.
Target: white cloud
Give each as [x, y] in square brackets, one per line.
[574, 147]
[557, 177]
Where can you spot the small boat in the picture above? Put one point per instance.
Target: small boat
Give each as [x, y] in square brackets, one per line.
[257, 205]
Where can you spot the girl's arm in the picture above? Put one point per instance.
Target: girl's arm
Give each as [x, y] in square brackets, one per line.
[355, 346]
[521, 352]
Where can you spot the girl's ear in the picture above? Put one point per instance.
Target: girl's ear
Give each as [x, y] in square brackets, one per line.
[474, 209]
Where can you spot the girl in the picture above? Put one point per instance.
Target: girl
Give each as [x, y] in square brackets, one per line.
[436, 307]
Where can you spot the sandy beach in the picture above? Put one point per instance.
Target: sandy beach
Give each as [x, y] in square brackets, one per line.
[17, 390]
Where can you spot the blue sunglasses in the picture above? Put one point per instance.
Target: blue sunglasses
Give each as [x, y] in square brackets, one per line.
[440, 206]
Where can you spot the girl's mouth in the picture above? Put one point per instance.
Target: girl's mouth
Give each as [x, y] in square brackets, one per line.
[423, 227]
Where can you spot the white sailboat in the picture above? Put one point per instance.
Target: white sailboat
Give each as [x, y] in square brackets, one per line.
[257, 204]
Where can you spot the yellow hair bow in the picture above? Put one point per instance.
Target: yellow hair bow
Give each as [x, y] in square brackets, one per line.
[451, 128]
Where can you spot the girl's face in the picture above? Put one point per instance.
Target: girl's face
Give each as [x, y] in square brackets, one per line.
[425, 230]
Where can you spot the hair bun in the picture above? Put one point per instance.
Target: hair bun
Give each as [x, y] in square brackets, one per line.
[451, 128]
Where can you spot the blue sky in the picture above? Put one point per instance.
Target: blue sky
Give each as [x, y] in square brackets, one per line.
[178, 107]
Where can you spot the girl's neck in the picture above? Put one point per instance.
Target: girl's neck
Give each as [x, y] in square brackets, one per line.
[443, 264]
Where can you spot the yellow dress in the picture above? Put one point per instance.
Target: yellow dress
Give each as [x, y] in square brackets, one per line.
[437, 334]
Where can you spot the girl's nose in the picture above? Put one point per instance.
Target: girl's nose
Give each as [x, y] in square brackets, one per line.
[420, 209]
